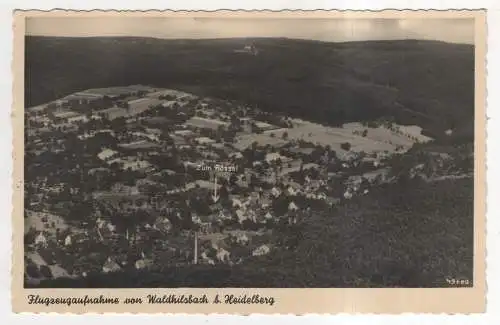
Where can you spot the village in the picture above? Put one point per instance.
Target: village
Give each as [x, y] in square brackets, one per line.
[140, 177]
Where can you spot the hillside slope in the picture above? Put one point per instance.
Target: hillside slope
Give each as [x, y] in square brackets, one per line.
[393, 237]
[418, 82]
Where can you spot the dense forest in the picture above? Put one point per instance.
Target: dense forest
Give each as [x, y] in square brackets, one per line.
[416, 82]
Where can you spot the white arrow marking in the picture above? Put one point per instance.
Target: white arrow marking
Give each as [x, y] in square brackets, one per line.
[215, 197]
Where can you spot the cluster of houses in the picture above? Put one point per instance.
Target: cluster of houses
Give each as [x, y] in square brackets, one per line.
[267, 186]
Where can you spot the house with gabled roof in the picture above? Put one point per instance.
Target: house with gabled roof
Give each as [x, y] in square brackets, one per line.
[261, 250]
[223, 255]
[110, 266]
[40, 239]
[292, 206]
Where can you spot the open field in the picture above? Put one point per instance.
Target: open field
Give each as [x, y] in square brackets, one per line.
[39, 220]
[114, 112]
[377, 140]
[141, 105]
[383, 134]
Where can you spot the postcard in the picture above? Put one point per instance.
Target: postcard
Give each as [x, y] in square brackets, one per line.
[242, 162]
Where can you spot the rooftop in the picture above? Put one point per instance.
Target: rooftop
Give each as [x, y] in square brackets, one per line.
[66, 114]
[264, 125]
[142, 144]
[106, 153]
[204, 140]
[201, 122]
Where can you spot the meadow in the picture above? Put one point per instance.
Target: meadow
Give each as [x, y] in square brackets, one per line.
[376, 140]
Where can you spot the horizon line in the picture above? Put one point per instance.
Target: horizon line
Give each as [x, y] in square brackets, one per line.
[250, 37]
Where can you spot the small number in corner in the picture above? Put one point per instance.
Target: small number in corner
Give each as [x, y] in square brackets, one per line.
[458, 282]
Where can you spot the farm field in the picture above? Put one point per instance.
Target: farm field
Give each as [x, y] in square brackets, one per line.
[384, 134]
[38, 220]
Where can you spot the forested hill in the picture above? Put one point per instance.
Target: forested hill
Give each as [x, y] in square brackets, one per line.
[424, 82]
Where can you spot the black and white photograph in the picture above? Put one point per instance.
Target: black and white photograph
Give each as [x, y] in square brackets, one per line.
[230, 152]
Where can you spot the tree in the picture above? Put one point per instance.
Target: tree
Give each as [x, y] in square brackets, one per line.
[254, 145]
[45, 271]
[125, 222]
[233, 179]
[165, 135]
[346, 146]
[119, 125]
[224, 193]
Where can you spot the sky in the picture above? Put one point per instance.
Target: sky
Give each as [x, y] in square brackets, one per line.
[453, 30]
